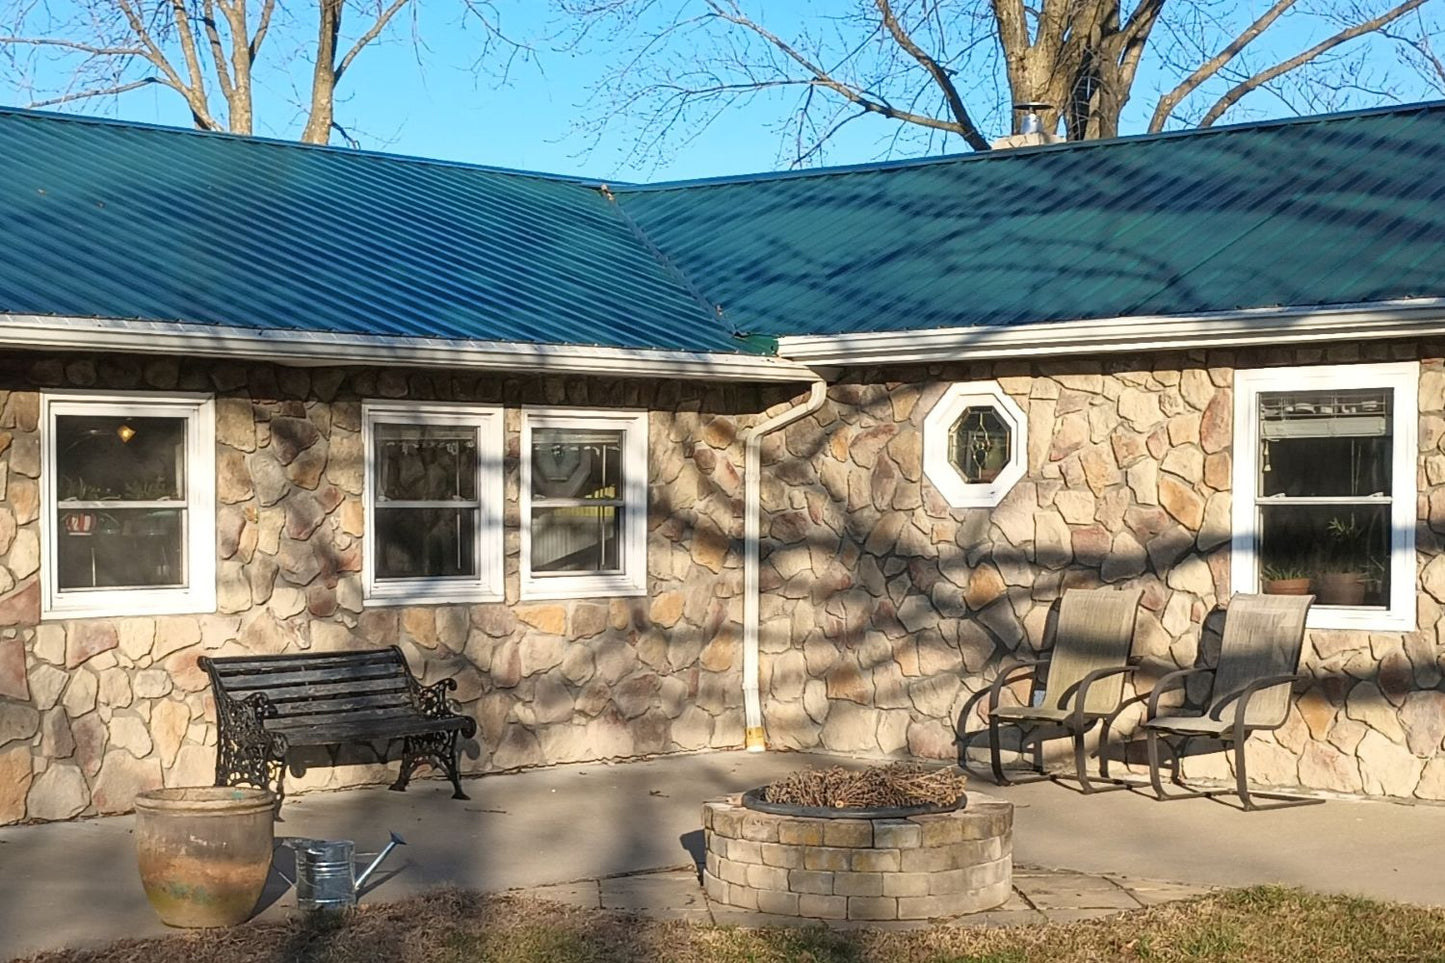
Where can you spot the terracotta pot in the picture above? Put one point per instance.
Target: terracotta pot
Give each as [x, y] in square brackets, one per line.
[1341, 588]
[1287, 586]
[204, 853]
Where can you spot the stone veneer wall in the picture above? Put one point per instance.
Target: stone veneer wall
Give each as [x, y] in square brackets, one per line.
[93, 710]
[886, 611]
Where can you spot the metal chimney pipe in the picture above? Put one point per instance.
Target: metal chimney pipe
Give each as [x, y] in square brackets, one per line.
[1031, 123]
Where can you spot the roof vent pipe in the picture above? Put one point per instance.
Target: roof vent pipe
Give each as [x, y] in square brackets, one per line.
[1031, 123]
[1031, 132]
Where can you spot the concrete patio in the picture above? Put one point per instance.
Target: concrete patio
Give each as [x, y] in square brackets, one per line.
[615, 837]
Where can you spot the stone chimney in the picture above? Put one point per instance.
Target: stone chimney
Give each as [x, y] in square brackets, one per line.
[1031, 130]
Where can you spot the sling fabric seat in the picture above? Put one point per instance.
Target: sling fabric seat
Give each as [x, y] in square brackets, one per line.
[1084, 680]
[1259, 659]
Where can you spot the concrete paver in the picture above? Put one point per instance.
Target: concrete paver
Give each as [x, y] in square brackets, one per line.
[574, 832]
[1074, 891]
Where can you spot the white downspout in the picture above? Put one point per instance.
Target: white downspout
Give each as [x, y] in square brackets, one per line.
[752, 497]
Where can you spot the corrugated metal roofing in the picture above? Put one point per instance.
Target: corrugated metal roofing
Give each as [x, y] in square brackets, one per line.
[1331, 210]
[103, 219]
[112, 220]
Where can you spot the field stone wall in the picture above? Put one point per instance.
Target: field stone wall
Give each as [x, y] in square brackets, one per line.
[94, 710]
[886, 612]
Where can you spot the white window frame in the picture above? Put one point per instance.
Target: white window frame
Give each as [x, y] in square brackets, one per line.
[632, 579]
[199, 593]
[1404, 379]
[938, 426]
[486, 585]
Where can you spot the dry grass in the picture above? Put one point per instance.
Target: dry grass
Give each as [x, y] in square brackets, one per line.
[1260, 925]
[894, 785]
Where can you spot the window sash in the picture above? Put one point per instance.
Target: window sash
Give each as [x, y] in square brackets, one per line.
[193, 590]
[1400, 379]
[629, 527]
[484, 584]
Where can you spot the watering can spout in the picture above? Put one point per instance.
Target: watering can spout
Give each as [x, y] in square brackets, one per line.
[395, 842]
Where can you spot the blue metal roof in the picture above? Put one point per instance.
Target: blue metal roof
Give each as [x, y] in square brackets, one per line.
[111, 220]
[1316, 211]
[104, 219]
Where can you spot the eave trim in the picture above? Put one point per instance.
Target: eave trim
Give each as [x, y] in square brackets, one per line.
[307, 348]
[1254, 326]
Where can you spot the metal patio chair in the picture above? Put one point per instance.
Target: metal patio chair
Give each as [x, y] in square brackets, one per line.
[1259, 659]
[1084, 680]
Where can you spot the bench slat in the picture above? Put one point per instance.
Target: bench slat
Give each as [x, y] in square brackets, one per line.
[318, 658]
[287, 694]
[359, 705]
[295, 677]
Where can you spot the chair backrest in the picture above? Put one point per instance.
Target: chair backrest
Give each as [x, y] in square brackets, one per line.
[1263, 636]
[1095, 630]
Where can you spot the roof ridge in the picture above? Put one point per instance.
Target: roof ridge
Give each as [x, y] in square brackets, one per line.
[910, 163]
[26, 113]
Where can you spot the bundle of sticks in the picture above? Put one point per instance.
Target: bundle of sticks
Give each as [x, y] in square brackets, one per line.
[894, 785]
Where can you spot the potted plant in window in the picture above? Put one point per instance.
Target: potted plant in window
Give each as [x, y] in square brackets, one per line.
[1343, 569]
[1285, 578]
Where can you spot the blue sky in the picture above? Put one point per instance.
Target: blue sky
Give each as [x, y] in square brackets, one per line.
[433, 102]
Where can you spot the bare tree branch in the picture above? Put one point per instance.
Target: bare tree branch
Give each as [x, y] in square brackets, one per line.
[101, 92]
[1210, 67]
[966, 127]
[1265, 76]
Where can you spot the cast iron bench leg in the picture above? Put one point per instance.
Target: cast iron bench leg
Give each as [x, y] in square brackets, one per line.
[439, 748]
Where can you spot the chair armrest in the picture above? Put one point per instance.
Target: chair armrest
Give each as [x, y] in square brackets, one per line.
[1170, 681]
[1005, 676]
[1243, 696]
[1080, 695]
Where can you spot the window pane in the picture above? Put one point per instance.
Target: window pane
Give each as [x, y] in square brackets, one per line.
[131, 459]
[425, 542]
[580, 539]
[120, 548]
[568, 463]
[979, 445]
[1325, 443]
[1344, 550]
[425, 463]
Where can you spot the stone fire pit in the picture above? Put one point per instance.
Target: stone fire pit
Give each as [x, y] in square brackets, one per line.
[843, 865]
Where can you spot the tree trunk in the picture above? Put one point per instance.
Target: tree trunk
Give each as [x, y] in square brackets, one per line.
[323, 78]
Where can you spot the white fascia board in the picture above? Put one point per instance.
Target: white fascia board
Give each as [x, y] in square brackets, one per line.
[1254, 326]
[312, 349]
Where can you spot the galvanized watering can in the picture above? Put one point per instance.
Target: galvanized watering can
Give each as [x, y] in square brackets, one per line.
[326, 876]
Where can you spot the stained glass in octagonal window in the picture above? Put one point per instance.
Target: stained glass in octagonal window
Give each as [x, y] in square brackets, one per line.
[980, 444]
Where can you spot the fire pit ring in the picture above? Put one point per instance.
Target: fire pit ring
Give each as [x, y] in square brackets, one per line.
[840, 864]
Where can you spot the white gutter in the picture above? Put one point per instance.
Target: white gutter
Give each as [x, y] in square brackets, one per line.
[1254, 326]
[306, 348]
[752, 497]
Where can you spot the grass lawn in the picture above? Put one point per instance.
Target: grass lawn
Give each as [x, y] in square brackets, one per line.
[1239, 926]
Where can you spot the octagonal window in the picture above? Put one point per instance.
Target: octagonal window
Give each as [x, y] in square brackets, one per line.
[974, 444]
[980, 444]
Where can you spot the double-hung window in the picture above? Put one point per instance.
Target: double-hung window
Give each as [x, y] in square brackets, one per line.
[584, 503]
[433, 504]
[128, 504]
[1324, 490]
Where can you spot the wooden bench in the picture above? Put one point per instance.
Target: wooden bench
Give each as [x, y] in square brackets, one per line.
[268, 704]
